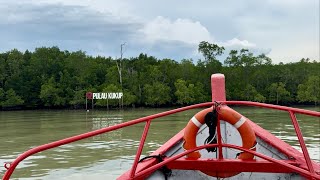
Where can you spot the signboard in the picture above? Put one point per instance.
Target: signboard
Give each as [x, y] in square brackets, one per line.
[107, 95]
[89, 95]
[111, 95]
[117, 95]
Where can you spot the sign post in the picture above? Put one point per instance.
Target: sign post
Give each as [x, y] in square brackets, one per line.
[89, 95]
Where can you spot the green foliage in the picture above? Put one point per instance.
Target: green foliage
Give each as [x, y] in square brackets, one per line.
[3, 71]
[2, 96]
[251, 94]
[188, 93]
[310, 90]
[245, 58]
[78, 99]
[210, 51]
[54, 78]
[51, 95]
[129, 98]
[183, 92]
[262, 59]
[12, 99]
[156, 94]
[278, 92]
[241, 58]
[111, 77]
[14, 62]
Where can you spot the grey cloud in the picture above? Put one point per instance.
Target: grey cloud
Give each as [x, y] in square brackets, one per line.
[57, 24]
[78, 28]
[269, 24]
[162, 49]
[171, 49]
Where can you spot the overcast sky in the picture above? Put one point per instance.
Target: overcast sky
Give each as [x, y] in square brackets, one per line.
[286, 30]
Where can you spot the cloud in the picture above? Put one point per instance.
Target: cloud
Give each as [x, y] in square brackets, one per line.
[169, 49]
[100, 27]
[235, 42]
[67, 26]
[179, 38]
[183, 30]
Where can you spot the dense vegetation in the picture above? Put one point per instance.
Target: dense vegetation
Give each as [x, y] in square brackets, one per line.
[49, 77]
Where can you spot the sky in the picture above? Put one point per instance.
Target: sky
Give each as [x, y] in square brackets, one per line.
[285, 30]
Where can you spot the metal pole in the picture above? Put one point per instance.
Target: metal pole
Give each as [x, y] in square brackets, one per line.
[121, 53]
[86, 103]
[301, 141]
[92, 103]
[139, 151]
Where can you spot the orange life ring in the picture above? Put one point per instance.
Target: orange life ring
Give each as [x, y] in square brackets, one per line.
[226, 114]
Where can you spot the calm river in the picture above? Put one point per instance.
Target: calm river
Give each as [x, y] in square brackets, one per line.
[109, 155]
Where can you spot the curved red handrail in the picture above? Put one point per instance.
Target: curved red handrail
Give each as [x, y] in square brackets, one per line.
[295, 123]
[54, 144]
[271, 106]
[148, 119]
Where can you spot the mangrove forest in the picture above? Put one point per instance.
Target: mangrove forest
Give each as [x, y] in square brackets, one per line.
[52, 78]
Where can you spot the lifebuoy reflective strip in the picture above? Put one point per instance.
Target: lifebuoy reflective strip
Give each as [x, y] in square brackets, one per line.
[226, 114]
[196, 122]
[240, 122]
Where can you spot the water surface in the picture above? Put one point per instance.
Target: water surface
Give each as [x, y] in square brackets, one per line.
[109, 155]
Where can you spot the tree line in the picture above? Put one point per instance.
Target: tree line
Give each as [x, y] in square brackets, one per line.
[52, 78]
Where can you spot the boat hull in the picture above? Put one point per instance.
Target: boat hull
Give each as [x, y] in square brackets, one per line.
[267, 144]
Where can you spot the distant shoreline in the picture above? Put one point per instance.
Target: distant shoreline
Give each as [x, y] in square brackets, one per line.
[130, 108]
[54, 79]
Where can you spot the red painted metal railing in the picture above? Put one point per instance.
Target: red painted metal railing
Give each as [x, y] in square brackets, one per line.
[310, 174]
[303, 172]
[294, 120]
[51, 145]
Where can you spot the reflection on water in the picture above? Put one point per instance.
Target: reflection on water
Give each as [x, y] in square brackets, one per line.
[108, 155]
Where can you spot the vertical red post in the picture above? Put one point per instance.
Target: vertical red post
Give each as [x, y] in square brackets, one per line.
[218, 91]
[301, 141]
[139, 151]
[220, 155]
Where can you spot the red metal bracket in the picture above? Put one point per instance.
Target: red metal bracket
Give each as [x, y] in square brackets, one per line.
[231, 165]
